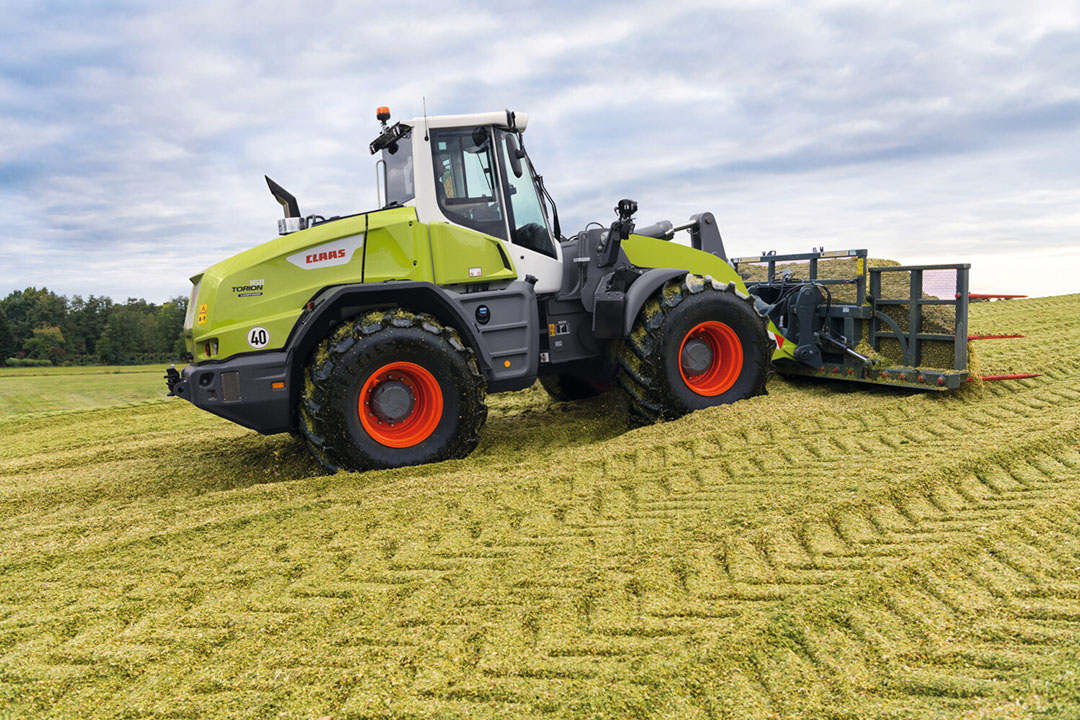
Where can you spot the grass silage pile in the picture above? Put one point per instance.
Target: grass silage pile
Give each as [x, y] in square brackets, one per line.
[804, 554]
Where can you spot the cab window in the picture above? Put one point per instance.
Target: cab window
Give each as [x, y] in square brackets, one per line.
[466, 179]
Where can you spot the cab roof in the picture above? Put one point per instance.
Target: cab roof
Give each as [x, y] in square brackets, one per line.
[498, 118]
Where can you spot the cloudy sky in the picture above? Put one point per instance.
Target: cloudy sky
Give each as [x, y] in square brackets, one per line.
[134, 136]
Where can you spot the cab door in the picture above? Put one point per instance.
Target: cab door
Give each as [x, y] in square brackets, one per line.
[535, 251]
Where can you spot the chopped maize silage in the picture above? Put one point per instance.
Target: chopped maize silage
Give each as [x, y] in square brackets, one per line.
[798, 555]
[934, 354]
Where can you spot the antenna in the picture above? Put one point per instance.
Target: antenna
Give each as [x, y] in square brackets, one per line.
[424, 99]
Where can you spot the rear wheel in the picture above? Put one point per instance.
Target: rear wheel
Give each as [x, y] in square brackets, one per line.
[389, 389]
[695, 344]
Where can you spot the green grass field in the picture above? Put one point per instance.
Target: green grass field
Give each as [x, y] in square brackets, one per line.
[30, 390]
[808, 554]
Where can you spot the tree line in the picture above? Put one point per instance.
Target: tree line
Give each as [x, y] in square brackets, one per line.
[39, 327]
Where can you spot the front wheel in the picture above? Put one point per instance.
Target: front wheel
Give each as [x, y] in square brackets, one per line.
[695, 344]
[389, 389]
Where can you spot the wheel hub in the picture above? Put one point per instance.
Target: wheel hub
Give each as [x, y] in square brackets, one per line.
[697, 356]
[392, 401]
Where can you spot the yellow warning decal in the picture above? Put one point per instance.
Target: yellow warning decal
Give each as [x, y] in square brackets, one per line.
[202, 314]
[861, 267]
[551, 329]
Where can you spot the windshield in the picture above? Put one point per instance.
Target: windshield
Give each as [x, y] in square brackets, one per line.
[465, 180]
[528, 224]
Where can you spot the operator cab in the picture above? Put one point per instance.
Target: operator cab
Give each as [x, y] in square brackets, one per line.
[472, 171]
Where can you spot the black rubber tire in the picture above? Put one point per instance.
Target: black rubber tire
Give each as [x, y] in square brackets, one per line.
[567, 387]
[342, 363]
[647, 363]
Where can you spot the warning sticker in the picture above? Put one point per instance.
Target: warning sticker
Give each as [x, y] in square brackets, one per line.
[561, 327]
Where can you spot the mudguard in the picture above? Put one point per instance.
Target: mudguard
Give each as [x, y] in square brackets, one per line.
[506, 342]
[641, 290]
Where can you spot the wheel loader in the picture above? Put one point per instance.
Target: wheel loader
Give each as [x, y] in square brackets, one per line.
[376, 336]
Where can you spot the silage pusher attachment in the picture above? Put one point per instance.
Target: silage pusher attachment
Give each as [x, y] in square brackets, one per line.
[838, 318]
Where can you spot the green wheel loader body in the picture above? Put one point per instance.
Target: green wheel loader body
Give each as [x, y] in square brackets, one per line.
[268, 286]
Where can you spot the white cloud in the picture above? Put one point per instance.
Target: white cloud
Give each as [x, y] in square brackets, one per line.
[135, 137]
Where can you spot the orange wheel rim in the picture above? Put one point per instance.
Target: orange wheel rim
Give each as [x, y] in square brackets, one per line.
[726, 363]
[421, 419]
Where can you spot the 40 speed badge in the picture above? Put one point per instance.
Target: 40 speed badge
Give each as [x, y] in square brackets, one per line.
[258, 337]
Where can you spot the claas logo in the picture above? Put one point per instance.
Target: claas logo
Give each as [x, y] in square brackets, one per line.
[319, 257]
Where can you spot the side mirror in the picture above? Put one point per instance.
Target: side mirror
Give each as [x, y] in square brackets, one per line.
[479, 139]
[515, 154]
